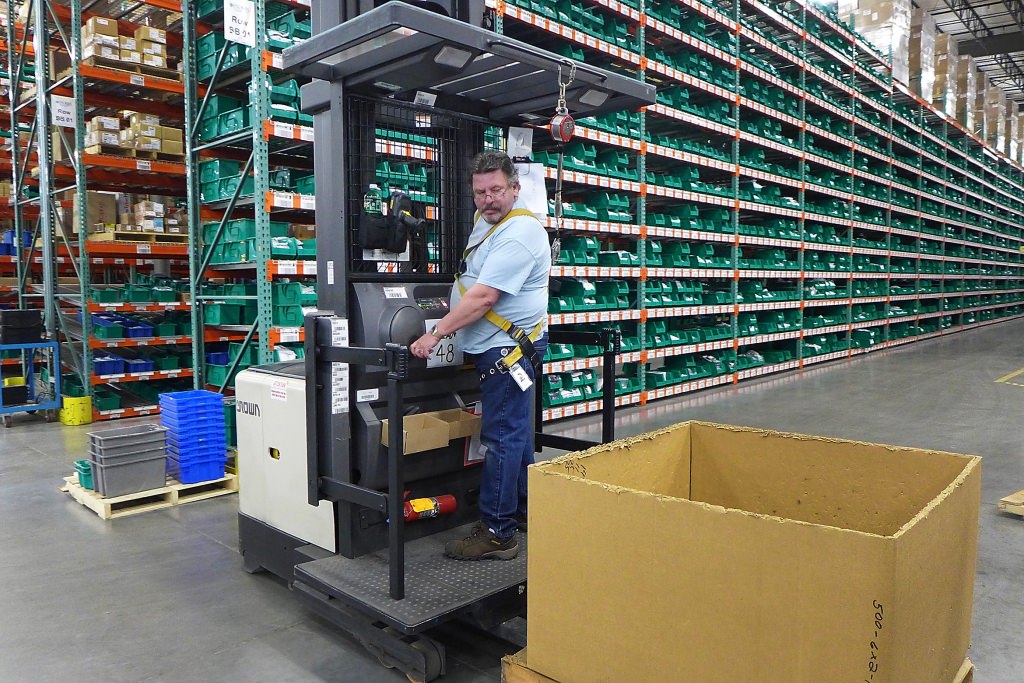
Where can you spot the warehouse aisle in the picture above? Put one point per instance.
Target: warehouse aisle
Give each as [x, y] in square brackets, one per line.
[161, 596]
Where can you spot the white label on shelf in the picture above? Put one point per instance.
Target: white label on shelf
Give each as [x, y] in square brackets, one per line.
[136, 79]
[284, 200]
[240, 22]
[290, 334]
[279, 390]
[142, 165]
[306, 133]
[287, 267]
[366, 395]
[425, 98]
[307, 201]
[62, 111]
[145, 249]
[284, 130]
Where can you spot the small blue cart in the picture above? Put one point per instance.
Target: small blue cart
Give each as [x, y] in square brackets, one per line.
[48, 400]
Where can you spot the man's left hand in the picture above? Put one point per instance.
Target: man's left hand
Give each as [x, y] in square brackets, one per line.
[422, 347]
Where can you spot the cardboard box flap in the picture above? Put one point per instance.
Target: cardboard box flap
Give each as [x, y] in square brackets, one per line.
[420, 433]
[461, 423]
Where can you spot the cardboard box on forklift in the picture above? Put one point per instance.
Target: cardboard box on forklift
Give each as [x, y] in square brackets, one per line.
[711, 553]
[422, 432]
[460, 423]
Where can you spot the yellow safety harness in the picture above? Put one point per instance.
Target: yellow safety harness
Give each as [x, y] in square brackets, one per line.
[523, 339]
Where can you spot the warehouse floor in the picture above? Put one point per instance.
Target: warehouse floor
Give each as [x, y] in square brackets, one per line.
[162, 596]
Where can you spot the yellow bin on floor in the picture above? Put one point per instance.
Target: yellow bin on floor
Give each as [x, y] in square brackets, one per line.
[76, 411]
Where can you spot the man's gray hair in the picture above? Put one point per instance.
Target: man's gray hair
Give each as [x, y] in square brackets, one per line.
[493, 160]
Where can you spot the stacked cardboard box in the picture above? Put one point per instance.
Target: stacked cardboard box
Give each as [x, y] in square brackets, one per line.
[886, 25]
[922, 54]
[146, 46]
[1013, 132]
[1020, 137]
[966, 90]
[100, 211]
[995, 118]
[980, 101]
[149, 216]
[145, 132]
[946, 58]
[103, 130]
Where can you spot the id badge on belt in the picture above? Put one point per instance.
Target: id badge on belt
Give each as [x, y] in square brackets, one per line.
[519, 375]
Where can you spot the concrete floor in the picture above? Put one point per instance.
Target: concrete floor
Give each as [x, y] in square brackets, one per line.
[162, 596]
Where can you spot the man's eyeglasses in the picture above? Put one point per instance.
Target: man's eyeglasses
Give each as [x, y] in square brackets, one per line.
[493, 193]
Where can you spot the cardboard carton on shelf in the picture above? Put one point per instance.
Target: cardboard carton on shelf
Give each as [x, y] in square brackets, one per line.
[131, 56]
[147, 143]
[128, 43]
[155, 61]
[104, 123]
[151, 34]
[138, 119]
[100, 26]
[101, 209]
[149, 47]
[966, 90]
[720, 554]
[947, 54]
[102, 137]
[140, 128]
[886, 25]
[922, 53]
[172, 147]
[170, 133]
[102, 51]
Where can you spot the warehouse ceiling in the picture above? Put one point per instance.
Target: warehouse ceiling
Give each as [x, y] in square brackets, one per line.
[992, 31]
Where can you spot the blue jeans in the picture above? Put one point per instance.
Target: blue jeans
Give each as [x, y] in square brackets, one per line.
[506, 432]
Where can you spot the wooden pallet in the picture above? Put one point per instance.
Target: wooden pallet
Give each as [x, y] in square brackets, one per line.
[1013, 503]
[128, 67]
[154, 499]
[514, 669]
[159, 156]
[110, 150]
[155, 237]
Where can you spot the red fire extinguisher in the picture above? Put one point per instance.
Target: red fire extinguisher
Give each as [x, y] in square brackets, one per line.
[426, 508]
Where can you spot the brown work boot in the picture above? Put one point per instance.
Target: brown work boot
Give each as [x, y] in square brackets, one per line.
[481, 545]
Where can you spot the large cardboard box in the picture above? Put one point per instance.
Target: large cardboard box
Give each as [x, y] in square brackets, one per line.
[170, 133]
[155, 61]
[151, 48]
[101, 209]
[102, 137]
[172, 147]
[720, 554]
[103, 51]
[886, 25]
[947, 54]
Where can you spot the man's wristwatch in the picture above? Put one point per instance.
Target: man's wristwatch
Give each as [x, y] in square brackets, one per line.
[434, 333]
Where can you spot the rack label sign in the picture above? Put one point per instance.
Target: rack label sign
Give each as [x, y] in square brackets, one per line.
[240, 22]
[62, 111]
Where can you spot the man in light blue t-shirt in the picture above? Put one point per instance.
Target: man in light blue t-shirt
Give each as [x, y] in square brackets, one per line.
[507, 263]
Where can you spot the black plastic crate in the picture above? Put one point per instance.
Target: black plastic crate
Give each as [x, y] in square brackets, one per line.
[15, 396]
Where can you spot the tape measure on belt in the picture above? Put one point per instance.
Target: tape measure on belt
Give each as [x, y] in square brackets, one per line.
[523, 339]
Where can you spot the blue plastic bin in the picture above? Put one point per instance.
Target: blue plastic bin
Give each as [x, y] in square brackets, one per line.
[218, 358]
[197, 470]
[189, 400]
[108, 365]
[138, 365]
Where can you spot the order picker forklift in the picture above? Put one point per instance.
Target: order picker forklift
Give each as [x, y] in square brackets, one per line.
[350, 516]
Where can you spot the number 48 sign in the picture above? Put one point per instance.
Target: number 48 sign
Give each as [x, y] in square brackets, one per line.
[240, 21]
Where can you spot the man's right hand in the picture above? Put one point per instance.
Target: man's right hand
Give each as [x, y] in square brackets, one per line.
[422, 347]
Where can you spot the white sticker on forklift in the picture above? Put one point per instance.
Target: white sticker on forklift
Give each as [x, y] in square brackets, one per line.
[279, 390]
[366, 395]
[395, 293]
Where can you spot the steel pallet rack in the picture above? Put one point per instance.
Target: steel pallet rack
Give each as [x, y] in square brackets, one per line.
[797, 202]
[72, 266]
[249, 153]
